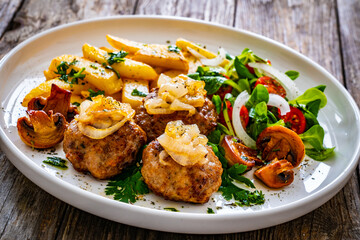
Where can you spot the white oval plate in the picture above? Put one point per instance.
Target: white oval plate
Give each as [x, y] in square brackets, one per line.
[315, 182]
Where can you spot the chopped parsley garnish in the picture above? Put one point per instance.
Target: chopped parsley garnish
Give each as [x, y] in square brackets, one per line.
[117, 57]
[138, 93]
[173, 48]
[210, 211]
[94, 94]
[73, 62]
[112, 69]
[127, 186]
[93, 66]
[62, 67]
[171, 209]
[76, 104]
[74, 75]
[230, 175]
[56, 162]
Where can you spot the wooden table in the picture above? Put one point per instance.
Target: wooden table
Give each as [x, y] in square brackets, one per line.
[327, 31]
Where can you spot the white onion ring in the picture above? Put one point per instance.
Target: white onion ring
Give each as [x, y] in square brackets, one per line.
[292, 91]
[209, 62]
[279, 102]
[239, 130]
[274, 100]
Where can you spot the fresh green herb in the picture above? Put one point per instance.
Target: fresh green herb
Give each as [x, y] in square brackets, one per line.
[210, 211]
[213, 78]
[94, 94]
[116, 57]
[62, 68]
[227, 119]
[76, 75]
[236, 86]
[236, 172]
[223, 129]
[215, 136]
[56, 161]
[171, 209]
[292, 74]
[127, 186]
[259, 94]
[217, 102]
[310, 95]
[229, 190]
[138, 93]
[112, 69]
[76, 104]
[315, 137]
[212, 83]
[173, 48]
[62, 71]
[93, 66]
[321, 155]
[73, 62]
[242, 70]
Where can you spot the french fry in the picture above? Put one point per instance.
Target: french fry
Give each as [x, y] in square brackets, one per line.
[102, 78]
[183, 44]
[129, 86]
[124, 44]
[152, 54]
[127, 69]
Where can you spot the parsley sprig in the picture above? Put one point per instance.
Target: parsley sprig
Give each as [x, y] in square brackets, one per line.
[56, 162]
[233, 174]
[92, 93]
[73, 74]
[138, 93]
[127, 186]
[116, 57]
[173, 48]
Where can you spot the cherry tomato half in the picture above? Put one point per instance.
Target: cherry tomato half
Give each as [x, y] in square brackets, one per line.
[272, 85]
[296, 119]
[244, 116]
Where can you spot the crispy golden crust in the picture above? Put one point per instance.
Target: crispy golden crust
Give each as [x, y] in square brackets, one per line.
[154, 125]
[106, 157]
[180, 183]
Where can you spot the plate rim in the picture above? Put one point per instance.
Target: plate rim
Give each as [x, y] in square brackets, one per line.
[325, 193]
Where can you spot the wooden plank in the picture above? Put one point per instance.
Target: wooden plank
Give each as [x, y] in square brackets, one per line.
[211, 10]
[7, 10]
[349, 18]
[38, 15]
[27, 212]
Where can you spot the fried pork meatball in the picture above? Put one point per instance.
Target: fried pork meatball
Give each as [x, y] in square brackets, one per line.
[154, 125]
[106, 157]
[169, 179]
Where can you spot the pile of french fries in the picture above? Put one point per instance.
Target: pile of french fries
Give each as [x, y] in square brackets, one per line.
[139, 70]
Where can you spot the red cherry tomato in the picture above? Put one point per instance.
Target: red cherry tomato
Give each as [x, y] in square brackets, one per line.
[296, 119]
[244, 116]
[272, 85]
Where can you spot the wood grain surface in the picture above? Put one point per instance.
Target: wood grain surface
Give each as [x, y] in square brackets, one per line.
[327, 31]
